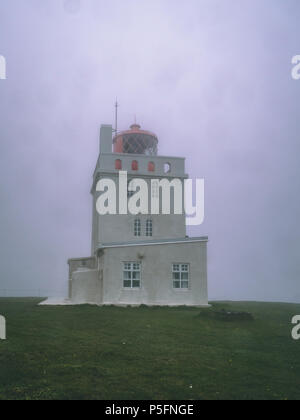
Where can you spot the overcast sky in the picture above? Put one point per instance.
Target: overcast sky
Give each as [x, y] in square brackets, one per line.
[212, 78]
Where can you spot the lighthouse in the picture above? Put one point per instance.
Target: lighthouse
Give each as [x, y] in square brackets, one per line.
[139, 258]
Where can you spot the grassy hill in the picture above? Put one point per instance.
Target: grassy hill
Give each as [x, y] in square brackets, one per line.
[87, 352]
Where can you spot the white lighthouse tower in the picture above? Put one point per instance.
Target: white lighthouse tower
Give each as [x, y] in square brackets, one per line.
[143, 258]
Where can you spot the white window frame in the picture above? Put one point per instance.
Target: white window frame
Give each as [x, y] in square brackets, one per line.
[181, 275]
[137, 227]
[132, 272]
[149, 227]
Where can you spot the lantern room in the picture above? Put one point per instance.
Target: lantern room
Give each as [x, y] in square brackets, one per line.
[136, 141]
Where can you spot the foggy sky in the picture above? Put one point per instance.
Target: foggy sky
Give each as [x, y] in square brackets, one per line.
[212, 78]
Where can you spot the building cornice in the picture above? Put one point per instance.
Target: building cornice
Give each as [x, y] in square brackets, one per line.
[154, 242]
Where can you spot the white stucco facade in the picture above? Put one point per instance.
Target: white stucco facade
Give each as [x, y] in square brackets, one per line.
[157, 266]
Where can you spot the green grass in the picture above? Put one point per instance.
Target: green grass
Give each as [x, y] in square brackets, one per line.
[88, 352]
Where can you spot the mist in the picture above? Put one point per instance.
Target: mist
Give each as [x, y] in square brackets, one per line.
[212, 78]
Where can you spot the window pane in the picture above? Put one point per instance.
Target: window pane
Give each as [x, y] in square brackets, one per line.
[184, 276]
[127, 275]
[176, 267]
[127, 283]
[136, 275]
[185, 284]
[136, 283]
[176, 284]
[176, 276]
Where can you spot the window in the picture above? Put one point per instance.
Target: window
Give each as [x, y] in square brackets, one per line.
[137, 227]
[135, 165]
[181, 275]
[151, 166]
[167, 168]
[149, 227]
[118, 165]
[131, 275]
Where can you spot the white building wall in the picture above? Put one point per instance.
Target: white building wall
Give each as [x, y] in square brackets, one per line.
[86, 287]
[117, 228]
[113, 229]
[156, 282]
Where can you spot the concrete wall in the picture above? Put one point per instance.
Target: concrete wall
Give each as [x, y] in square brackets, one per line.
[105, 139]
[121, 228]
[156, 283]
[86, 286]
[80, 263]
